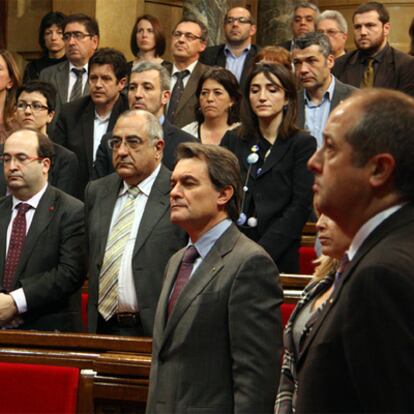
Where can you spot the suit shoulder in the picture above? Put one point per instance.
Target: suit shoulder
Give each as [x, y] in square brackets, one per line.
[344, 88]
[51, 70]
[209, 56]
[179, 135]
[71, 202]
[304, 139]
[402, 57]
[76, 107]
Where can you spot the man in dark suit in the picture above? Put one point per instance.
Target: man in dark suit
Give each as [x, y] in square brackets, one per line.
[237, 53]
[304, 19]
[42, 260]
[188, 40]
[148, 89]
[217, 333]
[81, 37]
[82, 123]
[375, 63]
[322, 92]
[132, 263]
[35, 108]
[359, 357]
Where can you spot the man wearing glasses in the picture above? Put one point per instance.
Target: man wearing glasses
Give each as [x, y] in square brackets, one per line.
[81, 37]
[237, 54]
[35, 108]
[187, 42]
[42, 257]
[130, 236]
[333, 24]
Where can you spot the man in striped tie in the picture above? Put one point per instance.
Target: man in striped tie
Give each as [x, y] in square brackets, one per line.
[129, 232]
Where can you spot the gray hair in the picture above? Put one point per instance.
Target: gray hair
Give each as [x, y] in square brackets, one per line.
[336, 16]
[152, 125]
[305, 5]
[145, 66]
[314, 38]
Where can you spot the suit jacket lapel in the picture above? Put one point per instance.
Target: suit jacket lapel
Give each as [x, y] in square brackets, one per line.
[62, 79]
[300, 118]
[386, 69]
[221, 57]
[87, 121]
[277, 152]
[5, 215]
[190, 88]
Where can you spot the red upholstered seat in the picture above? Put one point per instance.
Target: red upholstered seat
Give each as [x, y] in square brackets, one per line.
[27, 388]
[306, 257]
[84, 311]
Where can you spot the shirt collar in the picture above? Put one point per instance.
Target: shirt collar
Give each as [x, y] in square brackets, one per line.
[33, 201]
[72, 66]
[144, 186]
[368, 227]
[207, 240]
[228, 51]
[190, 68]
[102, 119]
[162, 119]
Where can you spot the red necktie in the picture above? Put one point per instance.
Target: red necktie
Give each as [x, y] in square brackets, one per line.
[17, 238]
[183, 275]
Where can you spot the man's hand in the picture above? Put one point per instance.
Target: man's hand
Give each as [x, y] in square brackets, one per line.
[8, 308]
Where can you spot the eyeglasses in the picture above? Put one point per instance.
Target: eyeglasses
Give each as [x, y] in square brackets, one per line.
[241, 20]
[330, 32]
[34, 106]
[22, 159]
[132, 143]
[76, 35]
[188, 36]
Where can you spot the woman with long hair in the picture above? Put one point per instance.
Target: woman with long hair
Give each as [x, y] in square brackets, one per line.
[9, 82]
[273, 154]
[218, 106]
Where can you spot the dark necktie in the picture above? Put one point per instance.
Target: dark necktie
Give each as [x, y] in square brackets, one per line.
[77, 87]
[176, 94]
[183, 275]
[369, 74]
[17, 238]
[343, 263]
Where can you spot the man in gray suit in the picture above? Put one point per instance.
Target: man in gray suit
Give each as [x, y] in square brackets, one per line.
[189, 39]
[42, 260]
[129, 233]
[217, 334]
[81, 37]
[313, 61]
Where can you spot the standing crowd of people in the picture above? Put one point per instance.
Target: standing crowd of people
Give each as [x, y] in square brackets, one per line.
[180, 191]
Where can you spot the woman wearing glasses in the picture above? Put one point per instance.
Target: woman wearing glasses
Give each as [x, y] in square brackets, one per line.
[51, 42]
[148, 41]
[273, 154]
[9, 82]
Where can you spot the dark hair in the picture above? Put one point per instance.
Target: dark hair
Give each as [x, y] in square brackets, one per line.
[223, 170]
[274, 54]
[158, 35]
[383, 14]
[113, 57]
[45, 88]
[91, 25]
[47, 21]
[15, 77]
[229, 82]
[385, 124]
[250, 122]
[411, 33]
[203, 27]
[314, 38]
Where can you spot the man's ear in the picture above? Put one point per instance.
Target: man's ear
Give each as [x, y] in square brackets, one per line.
[382, 167]
[225, 195]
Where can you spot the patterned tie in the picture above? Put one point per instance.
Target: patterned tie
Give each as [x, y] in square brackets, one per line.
[369, 74]
[183, 275]
[18, 235]
[77, 87]
[343, 263]
[176, 94]
[117, 240]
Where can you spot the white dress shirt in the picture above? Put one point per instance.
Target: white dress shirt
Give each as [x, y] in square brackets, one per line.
[100, 127]
[72, 78]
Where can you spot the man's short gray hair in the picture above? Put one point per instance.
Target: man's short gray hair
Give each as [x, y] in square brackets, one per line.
[314, 38]
[305, 5]
[336, 16]
[152, 125]
[145, 66]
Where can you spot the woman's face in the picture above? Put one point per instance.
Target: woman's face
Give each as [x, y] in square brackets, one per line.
[215, 101]
[334, 242]
[54, 39]
[5, 80]
[267, 98]
[145, 36]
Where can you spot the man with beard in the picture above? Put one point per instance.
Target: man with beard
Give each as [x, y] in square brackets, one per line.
[375, 62]
[237, 54]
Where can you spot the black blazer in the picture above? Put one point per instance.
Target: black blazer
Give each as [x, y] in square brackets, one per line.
[173, 136]
[63, 173]
[52, 265]
[395, 70]
[157, 240]
[214, 56]
[281, 193]
[359, 355]
[74, 130]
